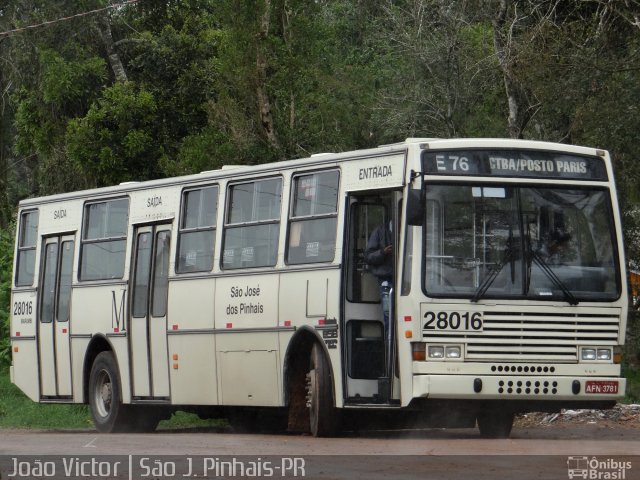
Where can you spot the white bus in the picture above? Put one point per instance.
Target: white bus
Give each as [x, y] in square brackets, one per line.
[245, 292]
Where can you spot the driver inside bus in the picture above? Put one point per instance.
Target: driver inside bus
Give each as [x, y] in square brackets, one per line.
[379, 257]
[556, 247]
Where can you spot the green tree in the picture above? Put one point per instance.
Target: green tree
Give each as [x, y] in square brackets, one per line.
[442, 78]
[6, 265]
[116, 140]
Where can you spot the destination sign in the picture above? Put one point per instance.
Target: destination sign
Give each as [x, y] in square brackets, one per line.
[514, 163]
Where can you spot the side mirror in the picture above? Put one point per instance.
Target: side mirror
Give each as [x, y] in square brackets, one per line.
[415, 207]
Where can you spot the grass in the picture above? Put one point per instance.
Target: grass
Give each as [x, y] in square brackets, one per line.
[191, 420]
[18, 411]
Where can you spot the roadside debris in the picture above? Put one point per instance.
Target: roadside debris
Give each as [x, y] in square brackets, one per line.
[620, 415]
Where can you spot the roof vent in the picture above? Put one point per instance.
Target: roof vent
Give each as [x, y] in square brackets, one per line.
[224, 167]
[409, 140]
[233, 167]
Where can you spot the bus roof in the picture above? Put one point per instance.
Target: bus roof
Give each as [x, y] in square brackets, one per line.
[228, 171]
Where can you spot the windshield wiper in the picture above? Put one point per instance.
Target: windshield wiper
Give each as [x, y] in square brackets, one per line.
[510, 257]
[544, 266]
[532, 255]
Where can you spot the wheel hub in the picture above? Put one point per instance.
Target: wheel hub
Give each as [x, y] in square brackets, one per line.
[106, 394]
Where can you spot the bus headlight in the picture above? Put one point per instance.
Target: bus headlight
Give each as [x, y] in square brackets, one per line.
[604, 354]
[596, 354]
[452, 351]
[444, 352]
[436, 351]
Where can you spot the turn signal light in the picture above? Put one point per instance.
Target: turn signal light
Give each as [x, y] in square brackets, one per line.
[418, 351]
[617, 355]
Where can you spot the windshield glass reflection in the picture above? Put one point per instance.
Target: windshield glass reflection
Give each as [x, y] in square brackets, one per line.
[504, 241]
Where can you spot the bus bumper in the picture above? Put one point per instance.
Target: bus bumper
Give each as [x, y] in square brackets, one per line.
[534, 388]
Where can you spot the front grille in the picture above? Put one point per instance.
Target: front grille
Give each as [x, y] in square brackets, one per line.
[534, 335]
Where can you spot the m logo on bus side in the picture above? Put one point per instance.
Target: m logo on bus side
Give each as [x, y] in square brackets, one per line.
[117, 312]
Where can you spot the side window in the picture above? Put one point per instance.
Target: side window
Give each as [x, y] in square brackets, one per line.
[49, 282]
[27, 236]
[64, 283]
[197, 230]
[141, 275]
[312, 226]
[161, 275]
[252, 223]
[104, 239]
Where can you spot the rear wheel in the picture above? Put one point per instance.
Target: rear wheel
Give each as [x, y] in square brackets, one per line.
[323, 416]
[108, 412]
[495, 423]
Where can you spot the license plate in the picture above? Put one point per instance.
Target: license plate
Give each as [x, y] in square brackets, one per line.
[601, 386]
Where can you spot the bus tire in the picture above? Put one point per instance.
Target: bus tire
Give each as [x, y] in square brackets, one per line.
[108, 413]
[323, 421]
[495, 423]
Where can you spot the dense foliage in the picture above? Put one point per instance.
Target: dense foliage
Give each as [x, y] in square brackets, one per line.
[145, 89]
[6, 263]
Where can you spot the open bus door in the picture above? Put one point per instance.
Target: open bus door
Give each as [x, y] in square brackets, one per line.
[369, 357]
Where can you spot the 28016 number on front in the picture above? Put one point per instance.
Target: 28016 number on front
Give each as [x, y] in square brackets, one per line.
[453, 321]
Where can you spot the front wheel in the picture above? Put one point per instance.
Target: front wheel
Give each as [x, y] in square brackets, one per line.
[323, 416]
[108, 412]
[495, 423]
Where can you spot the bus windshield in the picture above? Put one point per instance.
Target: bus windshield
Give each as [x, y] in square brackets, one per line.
[505, 241]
